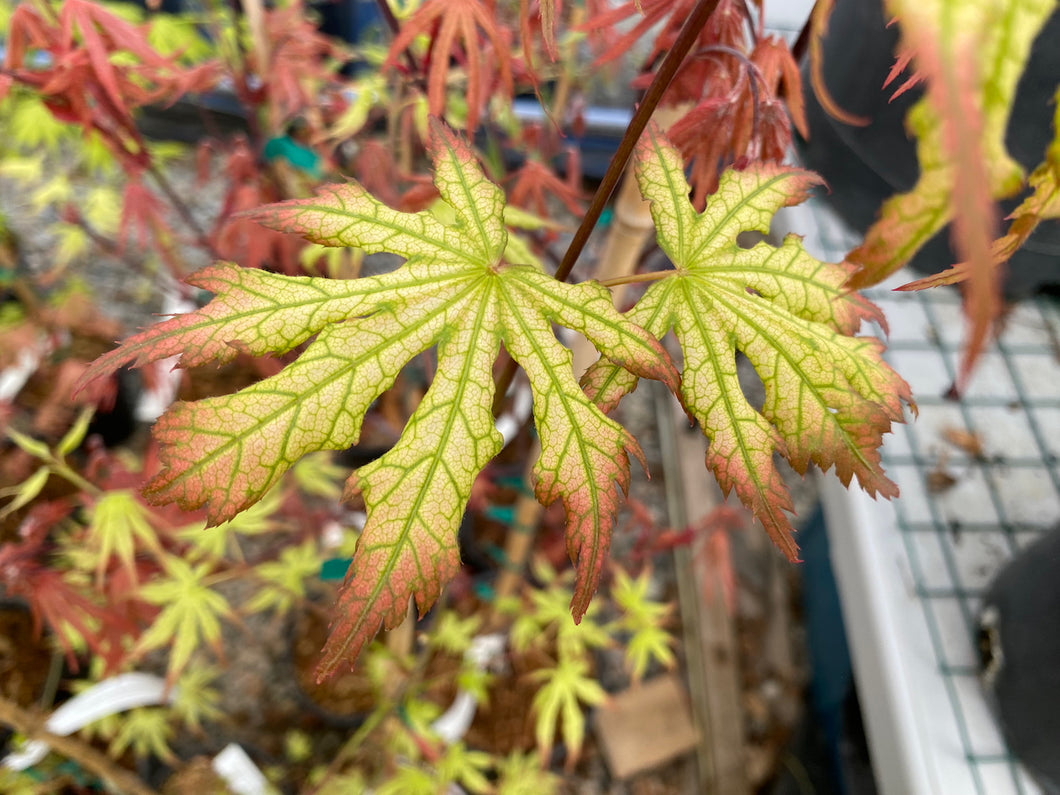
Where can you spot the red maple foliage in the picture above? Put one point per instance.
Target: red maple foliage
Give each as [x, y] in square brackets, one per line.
[467, 31]
[82, 83]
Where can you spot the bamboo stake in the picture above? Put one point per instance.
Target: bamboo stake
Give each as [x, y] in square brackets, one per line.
[255, 13]
[520, 538]
[630, 230]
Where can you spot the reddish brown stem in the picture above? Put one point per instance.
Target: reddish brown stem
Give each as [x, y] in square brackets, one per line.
[681, 47]
[395, 27]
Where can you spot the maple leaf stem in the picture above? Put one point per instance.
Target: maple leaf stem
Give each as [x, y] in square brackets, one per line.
[637, 278]
[64, 470]
[182, 209]
[395, 28]
[681, 47]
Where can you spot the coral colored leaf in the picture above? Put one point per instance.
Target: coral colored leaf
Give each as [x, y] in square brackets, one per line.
[458, 291]
[474, 23]
[1043, 204]
[959, 39]
[539, 16]
[829, 396]
[972, 55]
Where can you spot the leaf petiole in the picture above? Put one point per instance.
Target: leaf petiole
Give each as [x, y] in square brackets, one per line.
[636, 278]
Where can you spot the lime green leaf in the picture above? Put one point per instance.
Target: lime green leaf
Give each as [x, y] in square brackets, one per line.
[56, 190]
[408, 780]
[369, 92]
[24, 170]
[73, 243]
[283, 580]
[179, 36]
[297, 746]
[26, 492]
[453, 634]
[465, 767]
[550, 619]
[519, 218]
[217, 542]
[191, 613]
[145, 731]
[35, 447]
[196, 700]
[524, 774]
[456, 292]
[318, 476]
[829, 397]
[102, 209]
[991, 41]
[76, 434]
[566, 687]
[118, 524]
[33, 126]
[645, 620]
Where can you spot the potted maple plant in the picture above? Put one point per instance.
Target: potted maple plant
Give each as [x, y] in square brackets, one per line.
[473, 295]
[472, 281]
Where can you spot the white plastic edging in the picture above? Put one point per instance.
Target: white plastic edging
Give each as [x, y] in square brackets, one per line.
[913, 736]
[240, 774]
[453, 724]
[117, 694]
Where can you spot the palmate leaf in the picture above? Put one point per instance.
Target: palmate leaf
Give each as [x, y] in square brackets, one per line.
[829, 396]
[457, 291]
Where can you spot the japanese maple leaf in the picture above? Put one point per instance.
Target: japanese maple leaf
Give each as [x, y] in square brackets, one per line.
[829, 396]
[539, 15]
[972, 57]
[459, 290]
[726, 26]
[1043, 204]
[535, 182]
[739, 112]
[298, 61]
[474, 23]
[142, 215]
[99, 68]
[72, 613]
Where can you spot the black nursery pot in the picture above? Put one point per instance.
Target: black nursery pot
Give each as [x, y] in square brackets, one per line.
[864, 166]
[1020, 653]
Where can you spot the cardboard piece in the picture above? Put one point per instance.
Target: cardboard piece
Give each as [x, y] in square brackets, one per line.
[645, 726]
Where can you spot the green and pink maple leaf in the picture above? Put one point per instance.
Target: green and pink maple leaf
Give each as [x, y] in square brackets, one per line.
[971, 54]
[829, 395]
[460, 291]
